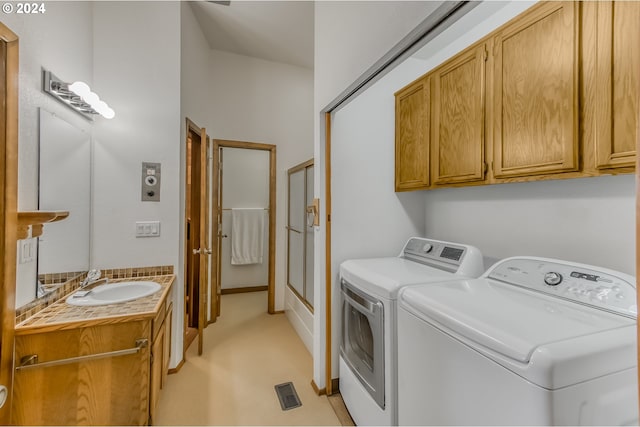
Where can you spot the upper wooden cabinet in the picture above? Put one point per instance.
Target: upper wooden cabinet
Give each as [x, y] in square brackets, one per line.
[412, 136]
[617, 81]
[552, 94]
[535, 109]
[457, 126]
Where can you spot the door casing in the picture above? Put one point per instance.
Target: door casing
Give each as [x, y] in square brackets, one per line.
[8, 208]
[216, 220]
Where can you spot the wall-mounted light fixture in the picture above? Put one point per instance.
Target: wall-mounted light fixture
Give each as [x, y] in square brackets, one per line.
[76, 95]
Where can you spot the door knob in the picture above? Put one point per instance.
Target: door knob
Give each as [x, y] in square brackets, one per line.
[201, 251]
[222, 235]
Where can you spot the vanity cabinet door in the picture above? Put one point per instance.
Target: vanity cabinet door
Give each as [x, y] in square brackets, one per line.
[160, 352]
[157, 365]
[617, 82]
[457, 127]
[412, 136]
[110, 390]
[535, 107]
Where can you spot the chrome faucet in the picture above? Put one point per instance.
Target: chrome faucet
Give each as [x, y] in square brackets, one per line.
[92, 277]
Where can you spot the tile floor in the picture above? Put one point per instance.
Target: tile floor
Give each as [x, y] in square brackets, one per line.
[246, 353]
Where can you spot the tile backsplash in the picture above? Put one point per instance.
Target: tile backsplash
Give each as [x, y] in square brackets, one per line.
[70, 281]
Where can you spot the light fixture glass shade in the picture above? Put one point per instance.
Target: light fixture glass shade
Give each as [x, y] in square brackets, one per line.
[80, 88]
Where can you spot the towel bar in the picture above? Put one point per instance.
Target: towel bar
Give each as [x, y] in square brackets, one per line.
[31, 360]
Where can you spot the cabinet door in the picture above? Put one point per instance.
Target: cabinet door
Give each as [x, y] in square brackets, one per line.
[617, 83]
[95, 390]
[457, 126]
[412, 136]
[166, 353]
[536, 92]
[157, 365]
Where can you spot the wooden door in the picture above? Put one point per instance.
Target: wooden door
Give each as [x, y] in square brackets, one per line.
[197, 250]
[617, 81]
[204, 252]
[536, 92]
[457, 125]
[412, 136]
[8, 211]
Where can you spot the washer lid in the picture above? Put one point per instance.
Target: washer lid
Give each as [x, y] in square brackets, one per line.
[505, 319]
[385, 276]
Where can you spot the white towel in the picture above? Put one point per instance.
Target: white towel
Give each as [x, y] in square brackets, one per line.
[247, 231]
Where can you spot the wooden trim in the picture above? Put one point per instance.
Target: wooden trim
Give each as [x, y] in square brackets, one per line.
[277, 312]
[300, 167]
[637, 173]
[337, 403]
[246, 289]
[34, 220]
[204, 237]
[177, 368]
[327, 261]
[8, 208]
[223, 143]
[318, 391]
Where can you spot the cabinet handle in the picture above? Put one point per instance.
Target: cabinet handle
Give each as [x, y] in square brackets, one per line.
[31, 360]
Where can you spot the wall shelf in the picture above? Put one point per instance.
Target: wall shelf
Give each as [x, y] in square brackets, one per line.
[34, 221]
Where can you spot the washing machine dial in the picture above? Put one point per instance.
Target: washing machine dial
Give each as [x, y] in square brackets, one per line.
[427, 248]
[552, 278]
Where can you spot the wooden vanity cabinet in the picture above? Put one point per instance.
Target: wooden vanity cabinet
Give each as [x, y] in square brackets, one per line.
[105, 391]
[412, 136]
[119, 388]
[160, 354]
[536, 109]
[612, 69]
[457, 125]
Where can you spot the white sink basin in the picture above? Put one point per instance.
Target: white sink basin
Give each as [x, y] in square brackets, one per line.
[113, 293]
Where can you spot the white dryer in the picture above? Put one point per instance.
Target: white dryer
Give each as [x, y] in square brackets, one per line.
[534, 341]
[368, 368]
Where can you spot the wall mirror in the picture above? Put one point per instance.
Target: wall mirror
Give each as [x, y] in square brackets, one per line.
[64, 184]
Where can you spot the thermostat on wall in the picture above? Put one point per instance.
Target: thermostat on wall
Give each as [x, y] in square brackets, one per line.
[150, 182]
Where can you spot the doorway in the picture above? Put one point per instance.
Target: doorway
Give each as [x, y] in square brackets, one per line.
[243, 220]
[197, 239]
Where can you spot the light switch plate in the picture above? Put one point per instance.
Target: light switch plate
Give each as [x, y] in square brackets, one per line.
[147, 228]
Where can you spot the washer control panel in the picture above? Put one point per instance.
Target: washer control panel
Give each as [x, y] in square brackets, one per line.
[601, 288]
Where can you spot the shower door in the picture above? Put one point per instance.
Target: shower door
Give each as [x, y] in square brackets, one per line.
[300, 233]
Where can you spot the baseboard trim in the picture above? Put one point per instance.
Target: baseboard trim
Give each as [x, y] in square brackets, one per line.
[318, 391]
[245, 289]
[337, 403]
[278, 312]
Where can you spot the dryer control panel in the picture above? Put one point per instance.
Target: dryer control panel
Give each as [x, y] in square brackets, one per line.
[598, 287]
[463, 260]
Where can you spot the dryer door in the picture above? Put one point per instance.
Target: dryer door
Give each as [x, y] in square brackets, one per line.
[362, 345]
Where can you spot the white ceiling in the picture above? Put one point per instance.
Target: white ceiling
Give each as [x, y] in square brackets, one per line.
[280, 31]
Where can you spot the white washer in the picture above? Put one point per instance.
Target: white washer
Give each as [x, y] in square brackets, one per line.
[534, 341]
[368, 368]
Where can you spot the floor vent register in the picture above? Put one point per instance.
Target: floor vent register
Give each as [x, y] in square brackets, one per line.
[287, 395]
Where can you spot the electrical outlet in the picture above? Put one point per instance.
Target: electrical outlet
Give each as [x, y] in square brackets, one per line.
[26, 251]
[147, 228]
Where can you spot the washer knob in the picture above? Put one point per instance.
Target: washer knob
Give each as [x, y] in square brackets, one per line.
[552, 278]
[427, 248]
